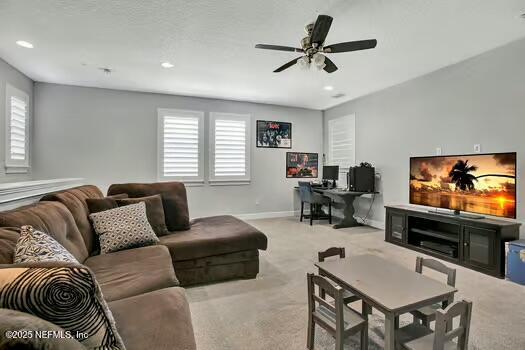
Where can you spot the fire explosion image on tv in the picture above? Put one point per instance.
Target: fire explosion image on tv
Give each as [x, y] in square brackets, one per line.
[481, 183]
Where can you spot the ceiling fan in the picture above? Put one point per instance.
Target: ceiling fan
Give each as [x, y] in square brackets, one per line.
[313, 47]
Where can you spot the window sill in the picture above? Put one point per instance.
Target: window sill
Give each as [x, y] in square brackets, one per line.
[187, 183]
[17, 170]
[229, 182]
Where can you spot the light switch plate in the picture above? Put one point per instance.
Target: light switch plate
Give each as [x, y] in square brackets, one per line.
[477, 148]
[438, 151]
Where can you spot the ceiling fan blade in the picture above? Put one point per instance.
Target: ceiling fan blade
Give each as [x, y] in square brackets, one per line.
[351, 46]
[287, 65]
[321, 28]
[278, 48]
[330, 66]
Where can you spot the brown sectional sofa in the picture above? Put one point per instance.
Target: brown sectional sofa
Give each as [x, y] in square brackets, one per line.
[141, 285]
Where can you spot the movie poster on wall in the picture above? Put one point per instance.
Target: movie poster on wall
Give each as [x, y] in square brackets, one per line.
[300, 165]
[272, 134]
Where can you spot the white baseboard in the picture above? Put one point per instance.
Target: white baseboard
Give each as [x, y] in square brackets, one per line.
[266, 215]
[379, 224]
[376, 224]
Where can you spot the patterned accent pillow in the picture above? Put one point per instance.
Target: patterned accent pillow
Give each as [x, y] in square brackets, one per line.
[38, 246]
[123, 228]
[67, 296]
[15, 320]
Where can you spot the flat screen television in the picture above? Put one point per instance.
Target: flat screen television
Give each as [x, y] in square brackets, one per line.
[476, 183]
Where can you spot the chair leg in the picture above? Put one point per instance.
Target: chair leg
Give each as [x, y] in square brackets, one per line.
[302, 211]
[330, 212]
[312, 206]
[311, 333]
[364, 337]
[339, 341]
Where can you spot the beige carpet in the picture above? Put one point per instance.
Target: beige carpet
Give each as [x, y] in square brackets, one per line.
[270, 311]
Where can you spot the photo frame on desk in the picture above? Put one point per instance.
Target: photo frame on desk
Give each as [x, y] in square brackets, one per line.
[302, 165]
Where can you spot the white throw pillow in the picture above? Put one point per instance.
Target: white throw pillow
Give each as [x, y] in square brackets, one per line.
[123, 228]
[38, 246]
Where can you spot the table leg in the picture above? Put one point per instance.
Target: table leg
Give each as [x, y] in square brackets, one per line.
[348, 212]
[390, 325]
[365, 310]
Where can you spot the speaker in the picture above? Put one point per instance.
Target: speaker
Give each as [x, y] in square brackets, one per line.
[361, 179]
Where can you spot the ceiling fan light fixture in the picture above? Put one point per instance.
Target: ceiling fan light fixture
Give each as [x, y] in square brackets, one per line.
[304, 63]
[319, 60]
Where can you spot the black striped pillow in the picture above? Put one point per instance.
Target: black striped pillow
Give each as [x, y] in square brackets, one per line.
[67, 296]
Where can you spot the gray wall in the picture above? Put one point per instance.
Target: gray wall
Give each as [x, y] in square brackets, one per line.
[109, 136]
[9, 75]
[478, 101]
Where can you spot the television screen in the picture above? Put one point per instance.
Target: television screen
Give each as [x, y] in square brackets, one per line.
[478, 183]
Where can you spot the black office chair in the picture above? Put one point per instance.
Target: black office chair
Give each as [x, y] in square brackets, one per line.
[315, 200]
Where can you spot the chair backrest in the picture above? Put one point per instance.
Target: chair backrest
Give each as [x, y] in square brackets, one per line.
[315, 299]
[437, 266]
[305, 191]
[333, 251]
[444, 323]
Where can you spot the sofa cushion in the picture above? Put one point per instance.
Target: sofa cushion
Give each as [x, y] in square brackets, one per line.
[174, 200]
[8, 238]
[159, 320]
[67, 296]
[36, 246]
[214, 235]
[53, 218]
[123, 228]
[154, 211]
[96, 205]
[133, 271]
[15, 320]
[75, 200]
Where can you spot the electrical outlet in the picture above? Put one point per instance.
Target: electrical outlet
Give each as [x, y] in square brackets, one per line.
[477, 148]
[257, 202]
[438, 151]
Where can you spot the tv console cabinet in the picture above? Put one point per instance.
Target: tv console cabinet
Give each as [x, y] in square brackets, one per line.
[478, 244]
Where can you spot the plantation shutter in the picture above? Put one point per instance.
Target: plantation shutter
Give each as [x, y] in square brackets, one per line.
[341, 143]
[181, 144]
[230, 147]
[17, 147]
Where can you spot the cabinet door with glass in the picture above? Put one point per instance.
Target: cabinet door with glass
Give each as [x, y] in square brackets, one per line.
[397, 226]
[479, 246]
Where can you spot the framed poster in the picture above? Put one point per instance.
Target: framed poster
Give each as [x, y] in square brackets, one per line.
[271, 134]
[299, 165]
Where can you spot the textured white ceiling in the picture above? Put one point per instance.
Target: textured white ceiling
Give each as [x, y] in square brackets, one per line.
[211, 43]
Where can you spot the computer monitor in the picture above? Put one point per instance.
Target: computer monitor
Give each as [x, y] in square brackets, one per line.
[331, 172]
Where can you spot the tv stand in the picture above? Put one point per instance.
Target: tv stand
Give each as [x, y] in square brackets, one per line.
[476, 243]
[457, 213]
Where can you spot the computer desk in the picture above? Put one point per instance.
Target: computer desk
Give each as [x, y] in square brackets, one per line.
[345, 197]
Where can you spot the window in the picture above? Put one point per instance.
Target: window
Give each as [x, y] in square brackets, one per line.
[230, 148]
[341, 144]
[17, 130]
[180, 145]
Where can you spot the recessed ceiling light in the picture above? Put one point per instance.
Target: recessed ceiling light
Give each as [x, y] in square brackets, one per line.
[167, 65]
[25, 44]
[328, 88]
